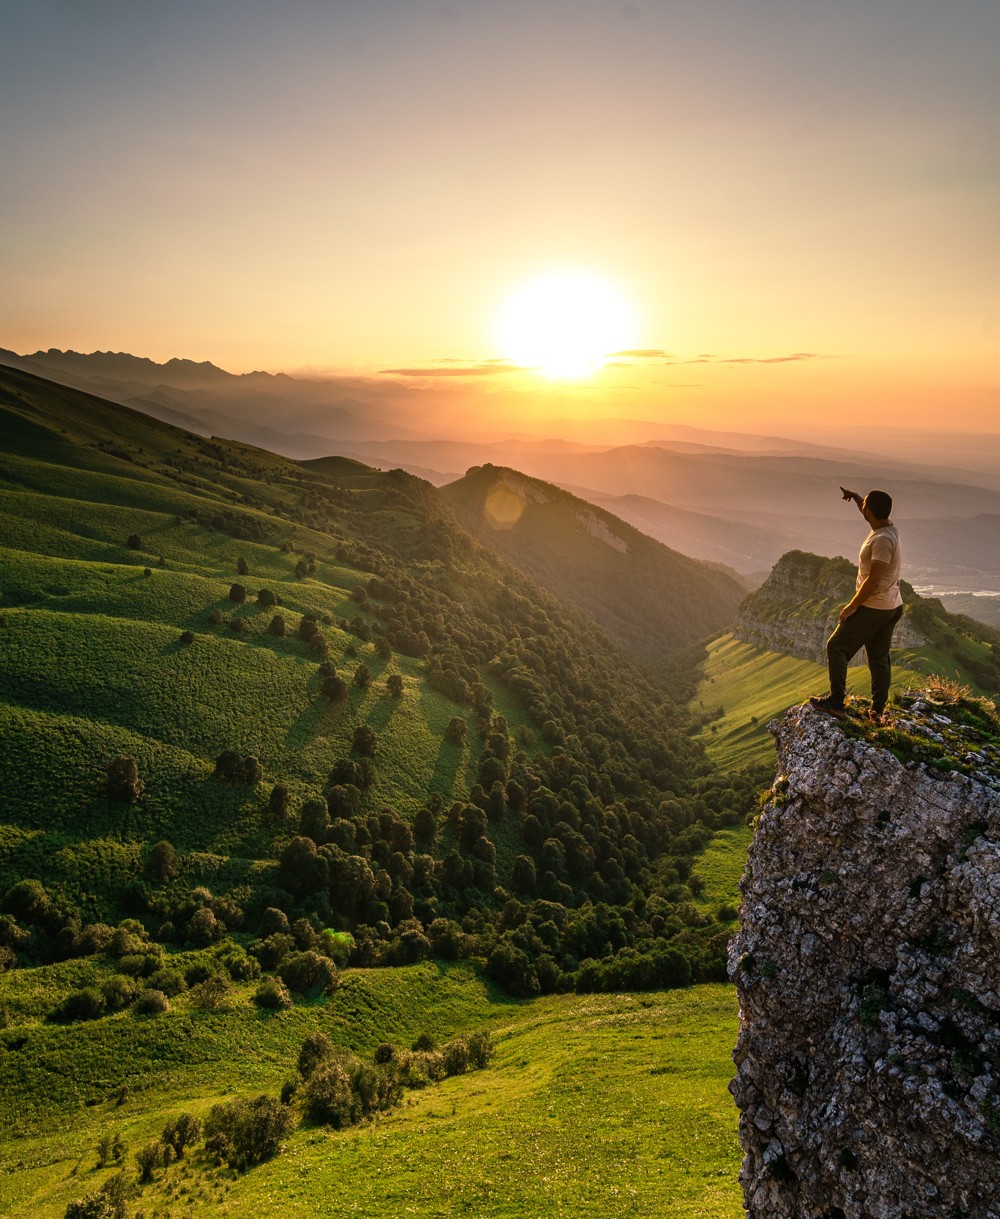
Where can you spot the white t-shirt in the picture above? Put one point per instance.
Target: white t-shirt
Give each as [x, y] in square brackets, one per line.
[881, 546]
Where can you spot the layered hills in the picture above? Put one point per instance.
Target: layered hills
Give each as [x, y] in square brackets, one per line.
[316, 673]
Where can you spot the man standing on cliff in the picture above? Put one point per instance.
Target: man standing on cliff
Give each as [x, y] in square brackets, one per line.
[869, 618]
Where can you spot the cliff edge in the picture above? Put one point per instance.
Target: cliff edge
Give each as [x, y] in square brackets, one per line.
[868, 971]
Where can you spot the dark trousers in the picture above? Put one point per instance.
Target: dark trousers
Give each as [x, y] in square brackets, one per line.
[871, 629]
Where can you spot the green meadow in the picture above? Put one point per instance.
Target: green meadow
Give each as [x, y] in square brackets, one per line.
[605, 1105]
[752, 687]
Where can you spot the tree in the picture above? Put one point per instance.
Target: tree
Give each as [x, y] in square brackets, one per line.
[365, 740]
[457, 732]
[335, 689]
[314, 820]
[187, 638]
[394, 684]
[238, 593]
[277, 804]
[277, 625]
[242, 566]
[123, 782]
[163, 863]
[362, 676]
[266, 598]
[425, 825]
[134, 542]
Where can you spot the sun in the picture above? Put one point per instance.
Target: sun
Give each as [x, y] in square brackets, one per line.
[565, 324]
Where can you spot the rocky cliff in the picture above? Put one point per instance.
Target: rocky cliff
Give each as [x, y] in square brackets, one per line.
[795, 610]
[868, 971]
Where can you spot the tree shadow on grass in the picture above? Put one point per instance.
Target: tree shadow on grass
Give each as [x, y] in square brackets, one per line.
[447, 765]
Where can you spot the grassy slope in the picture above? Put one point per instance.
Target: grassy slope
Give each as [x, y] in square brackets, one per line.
[531, 1136]
[751, 684]
[89, 647]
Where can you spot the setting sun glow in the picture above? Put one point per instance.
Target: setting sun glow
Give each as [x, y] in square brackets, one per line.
[565, 325]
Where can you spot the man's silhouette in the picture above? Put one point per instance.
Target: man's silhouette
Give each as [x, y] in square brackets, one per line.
[868, 619]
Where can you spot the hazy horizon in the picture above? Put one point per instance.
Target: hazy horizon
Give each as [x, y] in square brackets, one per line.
[789, 207]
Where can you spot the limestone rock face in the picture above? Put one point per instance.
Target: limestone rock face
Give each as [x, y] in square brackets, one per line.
[795, 610]
[868, 970]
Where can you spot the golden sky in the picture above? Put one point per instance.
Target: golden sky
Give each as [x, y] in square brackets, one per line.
[798, 198]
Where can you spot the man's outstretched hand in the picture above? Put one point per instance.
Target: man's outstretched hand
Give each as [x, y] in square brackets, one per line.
[851, 495]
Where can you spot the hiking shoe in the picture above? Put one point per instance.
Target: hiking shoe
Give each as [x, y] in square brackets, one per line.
[827, 704]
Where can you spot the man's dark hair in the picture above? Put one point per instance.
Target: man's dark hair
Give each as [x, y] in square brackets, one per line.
[879, 503]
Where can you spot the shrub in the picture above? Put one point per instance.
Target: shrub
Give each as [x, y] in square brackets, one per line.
[246, 1132]
[365, 740]
[394, 684]
[314, 819]
[187, 637]
[362, 676]
[266, 598]
[240, 966]
[123, 782]
[213, 992]
[344, 1091]
[151, 1002]
[118, 992]
[242, 567]
[277, 803]
[273, 995]
[277, 625]
[204, 928]
[183, 1132]
[134, 542]
[170, 981]
[29, 902]
[147, 1158]
[86, 1004]
[237, 593]
[215, 617]
[315, 1050]
[305, 971]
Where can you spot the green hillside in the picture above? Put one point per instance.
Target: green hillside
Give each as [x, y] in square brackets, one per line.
[648, 597]
[751, 686]
[298, 718]
[530, 1135]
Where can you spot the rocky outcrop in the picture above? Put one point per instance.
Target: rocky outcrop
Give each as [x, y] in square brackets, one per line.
[868, 971]
[795, 610]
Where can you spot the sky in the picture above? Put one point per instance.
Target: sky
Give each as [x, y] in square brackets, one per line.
[799, 199]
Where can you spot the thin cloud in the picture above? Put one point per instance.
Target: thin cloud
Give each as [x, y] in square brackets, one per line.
[798, 355]
[707, 357]
[455, 368]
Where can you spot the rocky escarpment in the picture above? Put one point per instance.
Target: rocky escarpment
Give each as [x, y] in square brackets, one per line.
[795, 610]
[868, 971]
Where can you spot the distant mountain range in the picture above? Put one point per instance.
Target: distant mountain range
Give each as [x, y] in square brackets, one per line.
[727, 497]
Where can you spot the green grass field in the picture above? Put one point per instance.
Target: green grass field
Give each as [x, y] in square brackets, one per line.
[753, 687]
[611, 1105]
